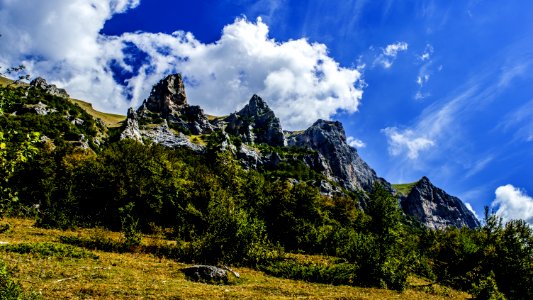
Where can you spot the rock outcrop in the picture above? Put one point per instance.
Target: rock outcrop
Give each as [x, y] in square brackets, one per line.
[206, 273]
[168, 101]
[52, 89]
[336, 159]
[165, 116]
[434, 208]
[256, 123]
[131, 129]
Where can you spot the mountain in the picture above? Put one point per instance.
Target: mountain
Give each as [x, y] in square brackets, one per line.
[435, 208]
[254, 134]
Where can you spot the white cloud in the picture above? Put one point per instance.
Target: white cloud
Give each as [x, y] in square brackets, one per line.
[60, 40]
[389, 53]
[469, 207]
[393, 49]
[513, 203]
[426, 54]
[354, 142]
[406, 142]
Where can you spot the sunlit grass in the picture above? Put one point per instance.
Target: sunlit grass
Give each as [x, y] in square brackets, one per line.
[404, 189]
[145, 276]
[110, 120]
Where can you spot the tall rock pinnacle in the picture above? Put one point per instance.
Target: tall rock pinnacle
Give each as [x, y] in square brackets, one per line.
[256, 123]
[168, 95]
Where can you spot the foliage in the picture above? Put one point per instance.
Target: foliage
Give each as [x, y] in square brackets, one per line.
[130, 226]
[490, 260]
[336, 274]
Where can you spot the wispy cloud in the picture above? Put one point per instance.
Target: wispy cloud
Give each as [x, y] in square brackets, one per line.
[388, 54]
[520, 122]
[406, 141]
[425, 72]
[478, 166]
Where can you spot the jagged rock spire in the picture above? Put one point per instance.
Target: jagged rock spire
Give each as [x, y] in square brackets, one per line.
[168, 95]
[256, 123]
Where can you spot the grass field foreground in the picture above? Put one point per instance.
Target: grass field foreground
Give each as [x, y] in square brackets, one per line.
[79, 273]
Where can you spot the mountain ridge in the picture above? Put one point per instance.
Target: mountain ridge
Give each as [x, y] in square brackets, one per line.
[167, 108]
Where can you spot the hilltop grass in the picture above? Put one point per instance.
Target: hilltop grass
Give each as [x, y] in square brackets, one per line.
[110, 120]
[61, 275]
[5, 81]
[404, 189]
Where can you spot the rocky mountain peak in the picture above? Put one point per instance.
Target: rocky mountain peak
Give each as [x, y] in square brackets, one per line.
[339, 161]
[435, 208]
[51, 89]
[256, 123]
[168, 101]
[256, 107]
[168, 95]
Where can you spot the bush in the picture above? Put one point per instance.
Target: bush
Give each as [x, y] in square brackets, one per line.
[337, 274]
[130, 226]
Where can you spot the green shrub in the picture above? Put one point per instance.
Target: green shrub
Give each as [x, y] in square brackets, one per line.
[130, 226]
[337, 274]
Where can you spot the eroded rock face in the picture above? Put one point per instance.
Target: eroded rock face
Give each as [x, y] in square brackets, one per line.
[167, 96]
[51, 89]
[131, 130]
[338, 161]
[162, 134]
[435, 208]
[256, 124]
[168, 101]
[165, 115]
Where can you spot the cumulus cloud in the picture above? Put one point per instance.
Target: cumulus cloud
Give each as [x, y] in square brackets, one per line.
[471, 209]
[354, 142]
[389, 54]
[513, 203]
[406, 142]
[61, 40]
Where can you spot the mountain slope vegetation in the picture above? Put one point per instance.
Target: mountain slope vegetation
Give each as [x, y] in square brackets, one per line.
[224, 201]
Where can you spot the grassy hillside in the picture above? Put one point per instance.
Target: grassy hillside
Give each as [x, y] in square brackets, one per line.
[404, 188]
[139, 275]
[110, 120]
[4, 81]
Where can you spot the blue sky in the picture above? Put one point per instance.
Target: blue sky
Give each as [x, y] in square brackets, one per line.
[435, 88]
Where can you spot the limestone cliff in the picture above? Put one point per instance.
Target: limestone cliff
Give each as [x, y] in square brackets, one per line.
[435, 208]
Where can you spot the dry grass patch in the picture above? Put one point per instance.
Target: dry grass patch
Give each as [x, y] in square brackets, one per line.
[110, 120]
[145, 276]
